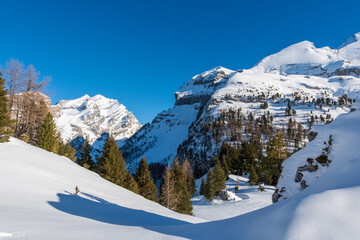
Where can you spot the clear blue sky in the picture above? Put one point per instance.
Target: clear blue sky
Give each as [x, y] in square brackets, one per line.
[141, 52]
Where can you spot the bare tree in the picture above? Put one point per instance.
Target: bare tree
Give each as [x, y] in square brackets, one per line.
[14, 74]
[31, 80]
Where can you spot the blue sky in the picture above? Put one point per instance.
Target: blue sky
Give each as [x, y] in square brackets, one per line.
[141, 52]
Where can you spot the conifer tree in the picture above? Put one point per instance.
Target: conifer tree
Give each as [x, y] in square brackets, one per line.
[67, 150]
[202, 186]
[167, 195]
[209, 192]
[130, 183]
[219, 177]
[147, 187]
[190, 180]
[178, 177]
[253, 177]
[5, 121]
[111, 163]
[276, 153]
[85, 158]
[48, 138]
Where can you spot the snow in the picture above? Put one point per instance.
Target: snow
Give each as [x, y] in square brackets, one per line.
[300, 53]
[301, 68]
[92, 116]
[37, 200]
[246, 199]
[327, 209]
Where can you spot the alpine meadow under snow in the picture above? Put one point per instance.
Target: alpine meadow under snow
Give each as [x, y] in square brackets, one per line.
[309, 94]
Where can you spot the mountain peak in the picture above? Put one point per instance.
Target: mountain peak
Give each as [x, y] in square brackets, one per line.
[91, 116]
[354, 38]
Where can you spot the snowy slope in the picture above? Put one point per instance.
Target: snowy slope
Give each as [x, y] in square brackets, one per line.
[299, 74]
[159, 140]
[246, 199]
[92, 116]
[328, 209]
[37, 201]
[341, 138]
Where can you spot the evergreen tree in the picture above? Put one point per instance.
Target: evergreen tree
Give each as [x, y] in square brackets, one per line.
[224, 166]
[67, 150]
[111, 164]
[202, 186]
[85, 158]
[5, 122]
[219, 177]
[130, 183]
[48, 138]
[209, 192]
[178, 177]
[147, 187]
[276, 153]
[253, 177]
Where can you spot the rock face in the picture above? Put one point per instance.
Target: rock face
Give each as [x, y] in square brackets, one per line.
[92, 116]
[316, 84]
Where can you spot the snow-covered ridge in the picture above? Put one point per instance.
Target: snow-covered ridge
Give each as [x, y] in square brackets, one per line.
[92, 116]
[300, 74]
[304, 58]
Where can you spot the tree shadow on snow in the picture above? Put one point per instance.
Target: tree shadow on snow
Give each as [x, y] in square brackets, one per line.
[103, 211]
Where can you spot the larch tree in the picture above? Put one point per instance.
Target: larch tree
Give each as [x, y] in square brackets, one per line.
[190, 180]
[167, 196]
[14, 74]
[5, 121]
[147, 187]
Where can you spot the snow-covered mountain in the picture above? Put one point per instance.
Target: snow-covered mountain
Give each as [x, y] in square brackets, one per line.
[37, 199]
[92, 116]
[315, 84]
[327, 209]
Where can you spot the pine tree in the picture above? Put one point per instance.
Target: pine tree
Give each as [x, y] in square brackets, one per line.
[85, 158]
[130, 183]
[219, 177]
[178, 177]
[67, 150]
[111, 164]
[191, 185]
[253, 177]
[147, 187]
[48, 138]
[5, 121]
[209, 192]
[225, 166]
[276, 153]
[202, 186]
[167, 195]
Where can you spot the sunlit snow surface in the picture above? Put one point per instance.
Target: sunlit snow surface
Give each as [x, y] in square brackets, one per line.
[245, 199]
[37, 200]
